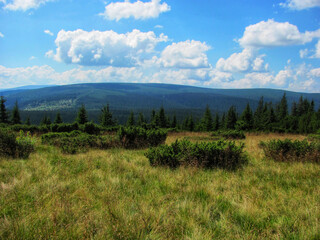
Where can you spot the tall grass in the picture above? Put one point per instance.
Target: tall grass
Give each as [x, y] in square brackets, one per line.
[116, 194]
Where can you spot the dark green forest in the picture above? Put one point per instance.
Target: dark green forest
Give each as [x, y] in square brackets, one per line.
[300, 117]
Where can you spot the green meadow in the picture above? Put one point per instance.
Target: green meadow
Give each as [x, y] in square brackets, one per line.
[116, 194]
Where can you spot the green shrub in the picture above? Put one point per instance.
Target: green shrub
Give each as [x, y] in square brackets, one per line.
[219, 154]
[77, 141]
[91, 128]
[288, 150]
[25, 145]
[17, 147]
[137, 137]
[230, 134]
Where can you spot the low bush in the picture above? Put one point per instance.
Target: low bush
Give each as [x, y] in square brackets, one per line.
[137, 137]
[230, 134]
[288, 150]
[219, 154]
[77, 141]
[16, 147]
[91, 128]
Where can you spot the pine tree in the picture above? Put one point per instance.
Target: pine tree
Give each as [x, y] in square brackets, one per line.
[174, 122]
[231, 118]
[190, 123]
[216, 122]
[162, 118]
[45, 120]
[247, 118]
[4, 118]
[258, 115]
[207, 120]
[141, 121]
[131, 121]
[82, 117]
[58, 119]
[15, 118]
[106, 117]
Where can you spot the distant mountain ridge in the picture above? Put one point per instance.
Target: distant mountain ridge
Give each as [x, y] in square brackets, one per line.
[139, 96]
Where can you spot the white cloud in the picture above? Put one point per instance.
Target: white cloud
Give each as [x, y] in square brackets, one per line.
[317, 51]
[247, 60]
[13, 77]
[188, 54]
[303, 53]
[24, 5]
[1, 35]
[158, 26]
[274, 34]
[48, 32]
[137, 10]
[106, 48]
[300, 4]
[32, 58]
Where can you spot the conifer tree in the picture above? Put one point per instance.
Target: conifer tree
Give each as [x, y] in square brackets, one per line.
[4, 118]
[247, 118]
[15, 118]
[45, 120]
[283, 108]
[58, 119]
[207, 120]
[106, 117]
[141, 121]
[162, 118]
[231, 118]
[174, 122]
[131, 121]
[216, 122]
[82, 117]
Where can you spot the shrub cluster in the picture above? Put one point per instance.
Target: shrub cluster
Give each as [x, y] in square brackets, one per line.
[17, 147]
[137, 137]
[288, 150]
[219, 154]
[77, 141]
[230, 134]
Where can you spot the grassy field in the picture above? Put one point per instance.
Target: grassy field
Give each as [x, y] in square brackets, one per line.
[116, 194]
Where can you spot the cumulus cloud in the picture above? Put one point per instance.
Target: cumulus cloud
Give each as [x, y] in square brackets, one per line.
[188, 54]
[300, 4]
[274, 34]
[1, 35]
[106, 48]
[48, 32]
[247, 60]
[24, 5]
[137, 10]
[317, 51]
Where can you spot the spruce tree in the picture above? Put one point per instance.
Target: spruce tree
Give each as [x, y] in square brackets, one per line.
[131, 121]
[4, 118]
[162, 118]
[207, 120]
[58, 119]
[106, 117]
[231, 118]
[247, 118]
[174, 122]
[45, 120]
[141, 121]
[258, 115]
[82, 117]
[283, 107]
[216, 122]
[15, 118]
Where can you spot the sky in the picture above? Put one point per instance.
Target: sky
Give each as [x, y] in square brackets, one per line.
[205, 43]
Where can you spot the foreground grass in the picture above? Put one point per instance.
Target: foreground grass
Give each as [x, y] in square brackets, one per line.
[115, 194]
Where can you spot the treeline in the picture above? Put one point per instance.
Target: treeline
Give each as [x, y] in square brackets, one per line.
[301, 118]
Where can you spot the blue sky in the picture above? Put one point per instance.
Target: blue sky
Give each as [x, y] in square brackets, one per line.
[207, 43]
